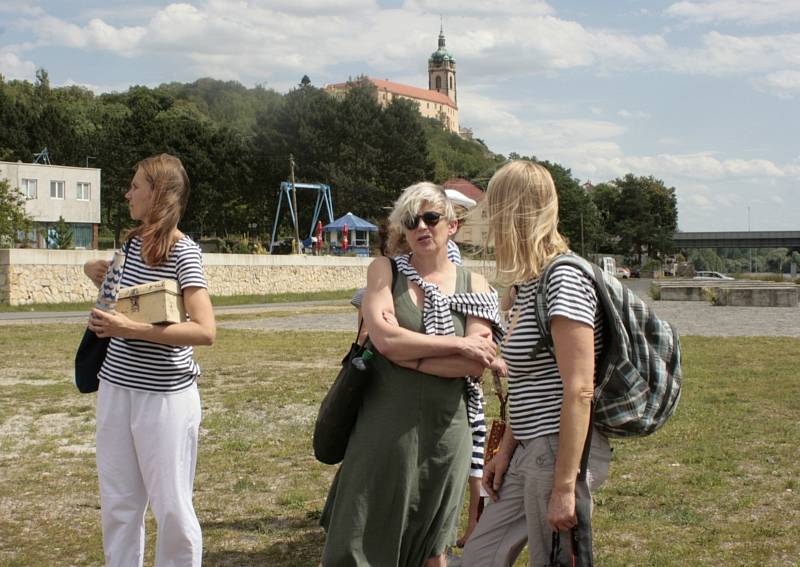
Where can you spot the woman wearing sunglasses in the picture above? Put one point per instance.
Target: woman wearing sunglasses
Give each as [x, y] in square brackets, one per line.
[532, 479]
[397, 495]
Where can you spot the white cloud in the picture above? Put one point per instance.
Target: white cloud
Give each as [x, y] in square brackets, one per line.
[783, 84]
[703, 166]
[20, 8]
[747, 12]
[632, 114]
[250, 40]
[12, 67]
[481, 7]
[95, 88]
[723, 54]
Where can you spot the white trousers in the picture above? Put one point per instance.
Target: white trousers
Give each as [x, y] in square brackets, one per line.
[147, 451]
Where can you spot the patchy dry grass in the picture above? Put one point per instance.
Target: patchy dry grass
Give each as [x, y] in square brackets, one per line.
[718, 486]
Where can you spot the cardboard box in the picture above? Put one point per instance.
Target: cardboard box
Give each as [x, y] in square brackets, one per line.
[158, 302]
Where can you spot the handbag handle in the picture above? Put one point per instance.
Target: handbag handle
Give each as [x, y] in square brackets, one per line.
[501, 394]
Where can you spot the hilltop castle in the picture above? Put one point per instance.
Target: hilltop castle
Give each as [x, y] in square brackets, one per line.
[439, 100]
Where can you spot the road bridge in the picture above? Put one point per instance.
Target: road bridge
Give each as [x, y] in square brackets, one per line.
[745, 239]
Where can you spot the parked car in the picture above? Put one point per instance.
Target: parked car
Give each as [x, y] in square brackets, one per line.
[706, 275]
[623, 273]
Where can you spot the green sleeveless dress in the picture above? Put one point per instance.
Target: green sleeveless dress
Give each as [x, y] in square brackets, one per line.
[396, 498]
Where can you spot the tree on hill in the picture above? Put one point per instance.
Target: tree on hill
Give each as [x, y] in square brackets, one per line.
[454, 156]
[645, 216]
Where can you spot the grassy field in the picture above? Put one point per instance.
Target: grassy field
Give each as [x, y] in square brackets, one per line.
[718, 486]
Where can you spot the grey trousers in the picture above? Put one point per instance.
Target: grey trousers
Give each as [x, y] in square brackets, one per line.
[520, 514]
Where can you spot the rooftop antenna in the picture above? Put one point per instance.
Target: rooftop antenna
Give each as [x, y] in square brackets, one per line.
[42, 157]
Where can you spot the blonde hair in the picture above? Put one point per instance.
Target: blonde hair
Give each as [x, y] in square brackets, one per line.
[523, 221]
[409, 205]
[170, 183]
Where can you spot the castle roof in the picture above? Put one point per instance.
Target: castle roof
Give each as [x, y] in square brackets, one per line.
[403, 90]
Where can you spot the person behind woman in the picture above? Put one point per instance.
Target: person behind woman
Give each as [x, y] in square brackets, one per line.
[532, 479]
[148, 405]
[396, 497]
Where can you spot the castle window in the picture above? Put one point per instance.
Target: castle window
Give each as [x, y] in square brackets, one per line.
[438, 83]
[451, 83]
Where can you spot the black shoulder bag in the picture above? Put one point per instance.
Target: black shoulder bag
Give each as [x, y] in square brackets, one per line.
[340, 406]
[91, 354]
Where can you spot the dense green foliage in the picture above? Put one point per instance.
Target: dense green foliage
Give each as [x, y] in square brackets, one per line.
[744, 260]
[13, 218]
[236, 144]
[61, 237]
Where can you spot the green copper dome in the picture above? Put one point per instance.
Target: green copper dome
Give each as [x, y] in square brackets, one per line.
[441, 55]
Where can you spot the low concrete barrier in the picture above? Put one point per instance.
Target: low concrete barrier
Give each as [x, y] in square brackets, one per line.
[730, 292]
[785, 296]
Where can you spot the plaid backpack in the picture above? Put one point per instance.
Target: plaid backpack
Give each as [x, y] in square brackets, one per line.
[638, 375]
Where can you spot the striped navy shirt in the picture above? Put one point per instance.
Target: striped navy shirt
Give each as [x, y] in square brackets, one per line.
[535, 389]
[142, 365]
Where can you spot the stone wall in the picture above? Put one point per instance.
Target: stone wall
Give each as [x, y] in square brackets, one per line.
[55, 276]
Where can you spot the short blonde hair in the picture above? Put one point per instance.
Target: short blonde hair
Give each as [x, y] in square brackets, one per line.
[409, 205]
[523, 221]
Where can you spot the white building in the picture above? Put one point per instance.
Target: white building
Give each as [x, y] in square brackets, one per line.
[53, 191]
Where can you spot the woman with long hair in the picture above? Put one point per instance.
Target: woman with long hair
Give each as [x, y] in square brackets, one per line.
[532, 479]
[148, 405]
[396, 497]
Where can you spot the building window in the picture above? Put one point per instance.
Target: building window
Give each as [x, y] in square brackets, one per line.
[82, 236]
[83, 191]
[56, 189]
[451, 83]
[438, 83]
[29, 188]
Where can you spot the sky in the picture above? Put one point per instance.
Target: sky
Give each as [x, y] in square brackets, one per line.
[703, 94]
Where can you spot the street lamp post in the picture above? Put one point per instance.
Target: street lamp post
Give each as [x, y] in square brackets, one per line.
[750, 250]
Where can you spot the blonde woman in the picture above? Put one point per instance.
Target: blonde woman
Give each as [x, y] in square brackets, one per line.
[397, 495]
[148, 405]
[532, 480]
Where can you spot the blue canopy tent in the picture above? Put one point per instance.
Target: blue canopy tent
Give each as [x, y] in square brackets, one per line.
[358, 233]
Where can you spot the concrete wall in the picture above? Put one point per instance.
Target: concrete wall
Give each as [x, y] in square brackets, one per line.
[55, 276]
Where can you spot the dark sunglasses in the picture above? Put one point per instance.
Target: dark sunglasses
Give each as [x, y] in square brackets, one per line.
[431, 219]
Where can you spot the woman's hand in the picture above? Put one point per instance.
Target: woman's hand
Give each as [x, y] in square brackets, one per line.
[478, 348]
[499, 366]
[561, 510]
[96, 270]
[110, 324]
[493, 474]
[389, 317]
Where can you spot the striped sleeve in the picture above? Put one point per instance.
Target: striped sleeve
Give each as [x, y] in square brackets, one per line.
[571, 294]
[454, 253]
[189, 266]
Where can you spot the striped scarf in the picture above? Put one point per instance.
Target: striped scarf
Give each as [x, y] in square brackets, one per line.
[438, 320]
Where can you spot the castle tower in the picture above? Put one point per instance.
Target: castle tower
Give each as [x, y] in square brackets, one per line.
[442, 71]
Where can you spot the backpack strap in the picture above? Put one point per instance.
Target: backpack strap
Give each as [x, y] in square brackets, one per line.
[546, 340]
[542, 321]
